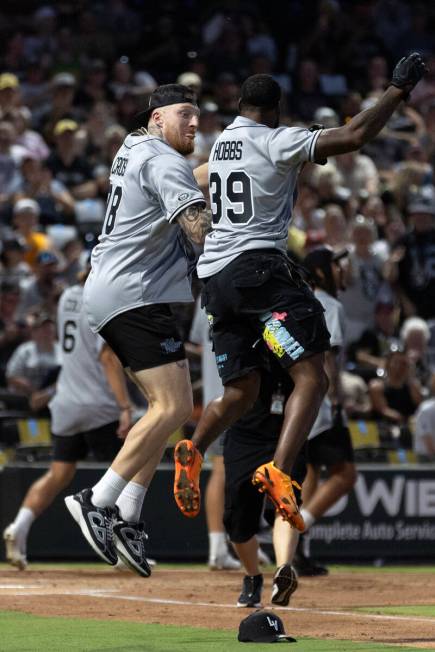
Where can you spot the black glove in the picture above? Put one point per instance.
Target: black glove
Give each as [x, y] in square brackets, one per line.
[408, 72]
[317, 127]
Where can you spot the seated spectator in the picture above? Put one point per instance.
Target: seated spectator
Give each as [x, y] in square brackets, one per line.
[12, 331]
[26, 223]
[364, 280]
[307, 95]
[397, 395]
[13, 267]
[415, 336]
[55, 202]
[367, 355]
[42, 291]
[358, 173]
[34, 362]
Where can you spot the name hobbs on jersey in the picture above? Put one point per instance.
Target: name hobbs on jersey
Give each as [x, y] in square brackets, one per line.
[119, 166]
[228, 150]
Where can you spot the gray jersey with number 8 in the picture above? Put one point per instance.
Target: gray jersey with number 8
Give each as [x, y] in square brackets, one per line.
[253, 171]
[141, 257]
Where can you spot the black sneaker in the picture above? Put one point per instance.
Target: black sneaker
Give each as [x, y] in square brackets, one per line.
[251, 591]
[95, 524]
[129, 543]
[306, 567]
[285, 583]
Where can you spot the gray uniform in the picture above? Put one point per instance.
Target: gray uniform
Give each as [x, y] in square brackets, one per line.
[83, 399]
[253, 172]
[142, 257]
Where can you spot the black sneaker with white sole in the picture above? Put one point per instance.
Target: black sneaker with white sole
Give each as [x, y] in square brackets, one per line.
[285, 583]
[96, 524]
[251, 591]
[129, 540]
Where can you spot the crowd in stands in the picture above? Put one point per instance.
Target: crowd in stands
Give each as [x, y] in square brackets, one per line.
[75, 74]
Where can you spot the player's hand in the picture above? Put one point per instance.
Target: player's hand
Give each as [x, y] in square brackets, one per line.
[124, 423]
[408, 72]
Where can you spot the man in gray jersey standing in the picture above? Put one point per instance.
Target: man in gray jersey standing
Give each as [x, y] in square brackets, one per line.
[139, 267]
[253, 294]
[90, 413]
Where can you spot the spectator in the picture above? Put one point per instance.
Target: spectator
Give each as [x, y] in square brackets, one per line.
[12, 331]
[9, 94]
[413, 258]
[415, 337]
[11, 156]
[42, 291]
[358, 173]
[208, 130]
[13, 266]
[60, 107]
[26, 224]
[307, 96]
[335, 226]
[56, 204]
[34, 362]
[396, 396]
[364, 280]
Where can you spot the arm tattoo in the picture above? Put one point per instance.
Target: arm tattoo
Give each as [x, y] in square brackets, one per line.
[195, 222]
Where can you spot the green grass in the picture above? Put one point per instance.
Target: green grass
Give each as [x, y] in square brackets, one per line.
[26, 633]
[407, 610]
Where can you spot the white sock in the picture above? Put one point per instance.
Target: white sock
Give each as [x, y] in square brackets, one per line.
[309, 519]
[130, 502]
[107, 490]
[217, 544]
[23, 523]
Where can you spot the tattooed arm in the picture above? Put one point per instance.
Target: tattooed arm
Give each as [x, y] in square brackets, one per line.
[196, 222]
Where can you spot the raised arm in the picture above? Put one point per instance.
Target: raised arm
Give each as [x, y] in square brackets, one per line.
[195, 221]
[367, 124]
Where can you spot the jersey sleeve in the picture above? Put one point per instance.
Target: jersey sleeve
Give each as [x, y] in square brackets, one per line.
[170, 178]
[292, 145]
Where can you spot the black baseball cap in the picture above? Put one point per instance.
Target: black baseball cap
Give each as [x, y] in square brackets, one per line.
[263, 627]
[323, 257]
[166, 95]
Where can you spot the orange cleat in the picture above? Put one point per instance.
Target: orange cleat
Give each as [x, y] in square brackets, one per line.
[279, 488]
[188, 462]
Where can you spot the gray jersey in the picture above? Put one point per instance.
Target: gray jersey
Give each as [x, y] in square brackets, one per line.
[253, 172]
[83, 398]
[142, 256]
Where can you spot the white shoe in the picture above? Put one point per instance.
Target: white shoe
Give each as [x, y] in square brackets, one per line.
[14, 555]
[121, 567]
[224, 562]
[263, 559]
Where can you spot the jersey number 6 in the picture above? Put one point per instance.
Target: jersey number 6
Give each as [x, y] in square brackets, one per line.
[238, 193]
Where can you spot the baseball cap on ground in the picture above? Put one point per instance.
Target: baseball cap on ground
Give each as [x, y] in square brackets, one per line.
[263, 627]
[166, 95]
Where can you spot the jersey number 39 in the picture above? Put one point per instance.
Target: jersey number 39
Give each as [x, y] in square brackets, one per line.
[238, 193]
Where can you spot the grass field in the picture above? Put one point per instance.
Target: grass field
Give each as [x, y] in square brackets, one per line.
[85, 607]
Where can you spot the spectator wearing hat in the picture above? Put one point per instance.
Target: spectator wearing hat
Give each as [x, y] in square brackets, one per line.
[412, 262]
[67, 166]
[33, 364]
[415, 336]
[25, 220]
[13, 266]
[42, 291]
[9, 93]
[60, 106]
[192, 80]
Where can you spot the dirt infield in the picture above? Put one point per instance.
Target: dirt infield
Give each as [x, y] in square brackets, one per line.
[322, 607]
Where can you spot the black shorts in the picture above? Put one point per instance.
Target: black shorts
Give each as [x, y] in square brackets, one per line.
[243, 502]
[145, 337]
[100, 444]
[260, 302]
[331, 447]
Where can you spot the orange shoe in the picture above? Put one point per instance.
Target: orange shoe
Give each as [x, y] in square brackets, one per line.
[279, 488]
[188, 461]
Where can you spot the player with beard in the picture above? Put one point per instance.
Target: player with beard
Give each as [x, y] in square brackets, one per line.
[140, 267]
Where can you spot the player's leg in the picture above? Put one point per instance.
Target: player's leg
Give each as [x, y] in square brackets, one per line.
[67, 450]
[219, 557]
[341, 478]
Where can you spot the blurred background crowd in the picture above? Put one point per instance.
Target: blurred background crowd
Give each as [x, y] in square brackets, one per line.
[75, 74]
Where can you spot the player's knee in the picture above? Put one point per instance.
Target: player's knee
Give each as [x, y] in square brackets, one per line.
[178, 412]
[243, 391]
[346, 474]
